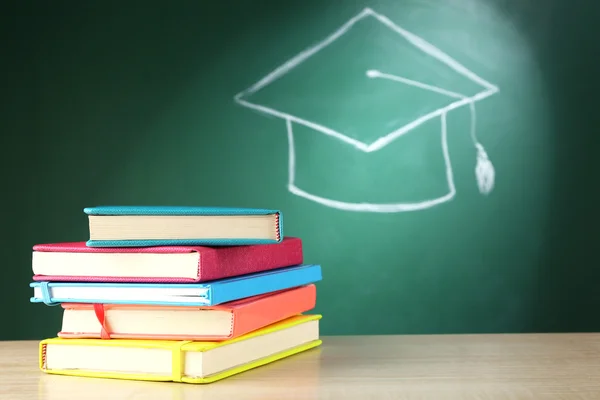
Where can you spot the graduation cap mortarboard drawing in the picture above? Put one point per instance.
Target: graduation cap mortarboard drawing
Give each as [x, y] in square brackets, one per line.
[370, 66]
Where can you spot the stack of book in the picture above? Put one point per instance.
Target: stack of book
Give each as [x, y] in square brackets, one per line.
[184, 294]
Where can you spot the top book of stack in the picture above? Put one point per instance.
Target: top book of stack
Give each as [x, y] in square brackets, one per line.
[145, 226]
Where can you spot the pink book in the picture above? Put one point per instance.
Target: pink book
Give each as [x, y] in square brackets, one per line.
[76, 262]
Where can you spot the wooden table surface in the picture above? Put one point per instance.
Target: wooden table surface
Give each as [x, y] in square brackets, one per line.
[550, 366]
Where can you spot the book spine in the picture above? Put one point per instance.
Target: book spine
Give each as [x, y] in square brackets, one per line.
[278, 226]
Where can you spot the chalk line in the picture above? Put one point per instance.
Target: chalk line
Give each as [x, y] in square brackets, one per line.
[390, 137]
[291, 152]
[302, 56]
[328, 131]
[433, 51]
[373, 73]
[373, 207]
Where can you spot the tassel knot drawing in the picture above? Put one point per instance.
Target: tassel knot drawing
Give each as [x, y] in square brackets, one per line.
[484, 171]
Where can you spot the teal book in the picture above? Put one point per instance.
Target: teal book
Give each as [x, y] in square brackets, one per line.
[144, 226]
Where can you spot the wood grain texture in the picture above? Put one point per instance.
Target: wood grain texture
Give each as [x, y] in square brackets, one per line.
[531, 366]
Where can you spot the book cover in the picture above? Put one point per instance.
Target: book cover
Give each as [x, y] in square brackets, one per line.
[134, 226]
[177, 294]
[178, 361]
[77, 262]
[215, 323]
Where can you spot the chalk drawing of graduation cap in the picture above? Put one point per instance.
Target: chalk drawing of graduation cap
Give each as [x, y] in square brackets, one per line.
[381, 63]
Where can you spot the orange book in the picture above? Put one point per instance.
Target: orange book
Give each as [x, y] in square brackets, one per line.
[215, 323]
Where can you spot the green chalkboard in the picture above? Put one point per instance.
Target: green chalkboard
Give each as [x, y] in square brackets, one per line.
[436, 156]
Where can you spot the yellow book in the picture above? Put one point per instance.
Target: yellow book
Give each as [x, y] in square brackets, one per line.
[179, 361]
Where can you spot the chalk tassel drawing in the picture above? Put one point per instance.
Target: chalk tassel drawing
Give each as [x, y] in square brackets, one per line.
[484, 169]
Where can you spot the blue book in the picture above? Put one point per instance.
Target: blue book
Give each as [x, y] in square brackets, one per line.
[143, 226]
[177, 294]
